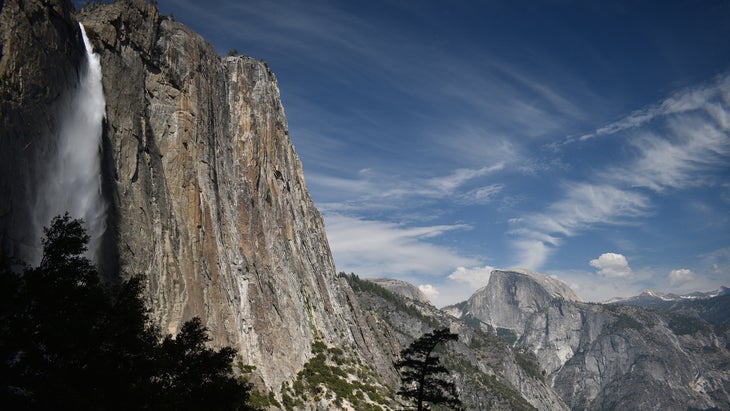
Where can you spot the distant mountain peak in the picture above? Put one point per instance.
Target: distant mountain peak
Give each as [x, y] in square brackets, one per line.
[401, 288]
[653, 294]
[722, 291]
[649, 296]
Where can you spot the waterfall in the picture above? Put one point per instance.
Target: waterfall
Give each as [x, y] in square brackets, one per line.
[71, 173]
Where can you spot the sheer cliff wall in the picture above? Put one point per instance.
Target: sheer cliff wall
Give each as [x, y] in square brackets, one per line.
[207, 198]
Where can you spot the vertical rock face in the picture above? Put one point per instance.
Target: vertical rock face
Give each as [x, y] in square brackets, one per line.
[511, 297]
[209, 198]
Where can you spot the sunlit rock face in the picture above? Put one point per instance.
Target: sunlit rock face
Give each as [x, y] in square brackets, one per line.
[511, 297]
[209, 196]
[471, 360]
[206, 194]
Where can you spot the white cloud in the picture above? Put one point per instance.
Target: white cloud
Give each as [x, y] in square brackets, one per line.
[476, 277]
[583, 206]
[675, 142]
[474, 144]
[587, 204]
[679, 276]
[678, 158]
[448, 184]
[612, 265]
[377, 190]
[481, 195]
[376, 248]
[681, 102]
[531, 253]
[507, 98]
[430, 291]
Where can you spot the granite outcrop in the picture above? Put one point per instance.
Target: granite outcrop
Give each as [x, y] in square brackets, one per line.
[606, 356]
[207, 198]
[208, 193]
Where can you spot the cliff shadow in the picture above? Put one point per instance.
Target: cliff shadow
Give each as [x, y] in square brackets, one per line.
[109, 250]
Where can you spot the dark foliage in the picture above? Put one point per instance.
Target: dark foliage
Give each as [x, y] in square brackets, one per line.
[66, 342]
[422, 379]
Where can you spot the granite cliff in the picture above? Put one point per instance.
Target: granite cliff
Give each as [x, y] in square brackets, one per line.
[600, 356]
[209, 197]
[207, 200]
[206, 194]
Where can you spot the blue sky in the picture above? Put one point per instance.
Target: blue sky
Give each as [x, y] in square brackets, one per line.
[587, 140]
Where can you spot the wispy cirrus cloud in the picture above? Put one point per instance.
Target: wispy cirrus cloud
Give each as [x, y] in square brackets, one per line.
[481, 195]
[370, 189]
[375, 248]
[684, 101]
[449, 183]
[372, 247]
[584, 205]
[675, 159]
[674, 145]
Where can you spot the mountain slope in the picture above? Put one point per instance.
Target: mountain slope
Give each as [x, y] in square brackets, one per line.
[488, 373]
[402, 288]
[607, 356]
[712, 306]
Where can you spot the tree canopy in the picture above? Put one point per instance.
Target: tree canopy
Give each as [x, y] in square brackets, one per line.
[422, 375]
[69, 342]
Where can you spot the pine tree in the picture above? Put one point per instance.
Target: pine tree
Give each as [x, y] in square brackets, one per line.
[68, 342]
[422, 379]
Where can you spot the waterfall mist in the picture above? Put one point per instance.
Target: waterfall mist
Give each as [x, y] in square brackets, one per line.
[70, 176]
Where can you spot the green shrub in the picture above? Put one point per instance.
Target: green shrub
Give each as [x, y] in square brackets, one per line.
[324, 375]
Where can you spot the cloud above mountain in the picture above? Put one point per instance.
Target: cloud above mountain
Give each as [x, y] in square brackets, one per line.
[612, 265]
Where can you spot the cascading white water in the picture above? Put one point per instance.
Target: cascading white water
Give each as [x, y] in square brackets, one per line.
[71, 177]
